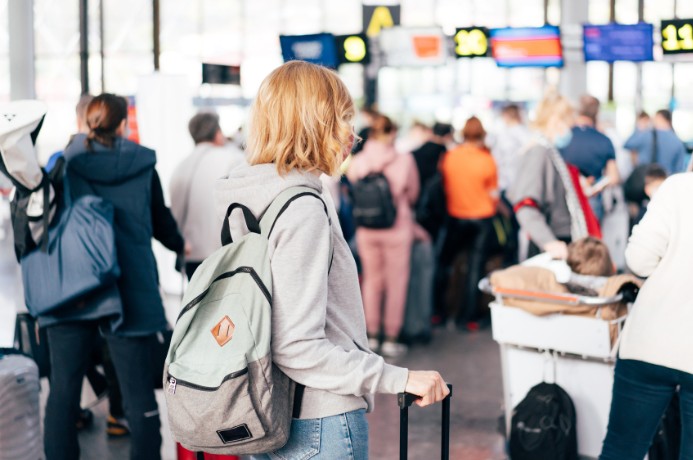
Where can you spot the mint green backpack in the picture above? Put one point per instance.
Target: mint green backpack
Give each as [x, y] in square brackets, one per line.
[223, 393]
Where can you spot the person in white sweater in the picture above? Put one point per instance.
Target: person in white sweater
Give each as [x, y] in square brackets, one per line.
[655, 357]
[192, 188]
[300, 128]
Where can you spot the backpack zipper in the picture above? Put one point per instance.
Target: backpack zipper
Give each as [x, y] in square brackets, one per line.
[249, 270]
[173, 382]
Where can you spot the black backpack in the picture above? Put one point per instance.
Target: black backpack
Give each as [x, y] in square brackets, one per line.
[431, 210]
[544, 425]
[373, 206]
[634, 186]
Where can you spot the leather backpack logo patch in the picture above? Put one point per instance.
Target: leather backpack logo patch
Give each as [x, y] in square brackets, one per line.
[223, 331]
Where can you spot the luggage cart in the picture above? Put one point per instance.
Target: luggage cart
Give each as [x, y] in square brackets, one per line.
[576, 352]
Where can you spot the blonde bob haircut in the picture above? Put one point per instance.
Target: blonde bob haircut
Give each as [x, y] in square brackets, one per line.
[301, 119]
[553, 106]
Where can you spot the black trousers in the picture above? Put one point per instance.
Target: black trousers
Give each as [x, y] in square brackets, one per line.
[459, 235]
[71, 346]
[190, 268]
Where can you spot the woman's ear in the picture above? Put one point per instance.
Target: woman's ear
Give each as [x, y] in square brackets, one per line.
[120, 132]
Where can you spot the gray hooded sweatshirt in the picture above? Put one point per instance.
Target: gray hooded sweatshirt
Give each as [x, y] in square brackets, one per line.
[318, 324]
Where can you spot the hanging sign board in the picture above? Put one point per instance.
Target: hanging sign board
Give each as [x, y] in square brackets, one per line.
[677, 36]
[352, 49]
[219, 74]
[315, 48]
[413, 47]
[471, 42]
[379, 17]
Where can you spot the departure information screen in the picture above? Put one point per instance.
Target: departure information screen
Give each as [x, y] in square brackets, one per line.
[472, 42]
[618, 42]
[677, 36]
[316, 48]
[527, 46]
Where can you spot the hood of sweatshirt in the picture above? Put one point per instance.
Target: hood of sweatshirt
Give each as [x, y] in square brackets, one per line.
[375, 156]
[105, 165]
[256, 187]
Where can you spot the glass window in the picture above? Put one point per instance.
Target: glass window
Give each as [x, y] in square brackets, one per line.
[299, 17]
[56, 32]
[4, 54]
[684, 9]
[627, 11]
[656, 10]
[599, 11]
[598, 80]
[528, 13]
[418, 13]
[128, 42]
[494, 13]
[683, 98]
[454, 13]
[342, 17]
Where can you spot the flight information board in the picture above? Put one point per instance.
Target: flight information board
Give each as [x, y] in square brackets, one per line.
[618, 42]
[527, 46]
[472, 42]
[677, 36]
[315, 48]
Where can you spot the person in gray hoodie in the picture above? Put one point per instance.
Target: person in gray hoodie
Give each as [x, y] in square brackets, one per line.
[300, 127]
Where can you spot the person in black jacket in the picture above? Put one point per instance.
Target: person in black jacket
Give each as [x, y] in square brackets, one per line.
[105, 164]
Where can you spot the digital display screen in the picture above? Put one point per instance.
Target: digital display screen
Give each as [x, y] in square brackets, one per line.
[471, 42]
[316, 48]
[677, 36]
[221, 74]
[618, 42]
[527, 46]
[414, 46]
[352, 49]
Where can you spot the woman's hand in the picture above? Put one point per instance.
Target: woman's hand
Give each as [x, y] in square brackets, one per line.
[428, 385]
[557, 249]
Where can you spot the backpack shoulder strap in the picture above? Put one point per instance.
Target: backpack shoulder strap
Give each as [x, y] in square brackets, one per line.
[282, 202]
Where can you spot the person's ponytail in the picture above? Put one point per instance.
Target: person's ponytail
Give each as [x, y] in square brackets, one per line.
[105, 113]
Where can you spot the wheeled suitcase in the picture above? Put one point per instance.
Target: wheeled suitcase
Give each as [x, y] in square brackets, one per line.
[419, 306]
[20, 427]
[405, 400]
[33, 342]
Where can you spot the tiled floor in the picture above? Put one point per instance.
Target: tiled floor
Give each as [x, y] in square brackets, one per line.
[468, 360]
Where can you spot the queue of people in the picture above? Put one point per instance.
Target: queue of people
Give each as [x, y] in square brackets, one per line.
[546, 181]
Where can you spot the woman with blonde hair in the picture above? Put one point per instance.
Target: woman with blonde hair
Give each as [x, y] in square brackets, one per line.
[300, 128]
[546, 195]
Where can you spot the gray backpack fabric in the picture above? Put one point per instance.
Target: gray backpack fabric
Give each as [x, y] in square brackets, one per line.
[223, 393]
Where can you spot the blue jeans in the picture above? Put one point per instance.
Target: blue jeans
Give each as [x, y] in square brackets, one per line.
[340, 437]
[642, 392]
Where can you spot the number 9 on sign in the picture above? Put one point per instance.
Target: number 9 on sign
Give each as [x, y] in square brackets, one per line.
[354, 49]
[471, 42]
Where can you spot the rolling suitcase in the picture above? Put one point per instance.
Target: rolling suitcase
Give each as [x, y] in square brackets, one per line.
[20, 424]
[405, 400]
[419, 306]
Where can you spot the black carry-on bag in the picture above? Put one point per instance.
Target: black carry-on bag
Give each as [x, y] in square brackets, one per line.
[405, 400]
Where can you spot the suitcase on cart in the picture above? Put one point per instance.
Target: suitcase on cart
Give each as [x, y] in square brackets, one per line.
[20, 424]
[404, 400]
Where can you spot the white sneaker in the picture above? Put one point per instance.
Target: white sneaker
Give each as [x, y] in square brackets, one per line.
[393, 349]
[373, 344]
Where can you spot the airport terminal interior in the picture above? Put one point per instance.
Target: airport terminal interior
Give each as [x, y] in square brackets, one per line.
[510, 211]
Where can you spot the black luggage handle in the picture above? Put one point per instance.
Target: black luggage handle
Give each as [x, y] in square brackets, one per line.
[404, 400]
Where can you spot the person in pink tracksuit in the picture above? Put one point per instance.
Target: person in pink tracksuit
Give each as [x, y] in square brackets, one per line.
[385, 254]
